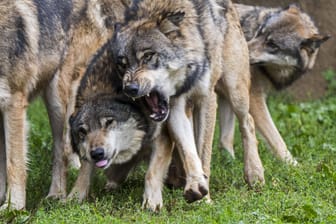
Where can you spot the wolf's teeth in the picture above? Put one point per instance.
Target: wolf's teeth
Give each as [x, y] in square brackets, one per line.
[133, 98]
[152, 116]
[148, 94]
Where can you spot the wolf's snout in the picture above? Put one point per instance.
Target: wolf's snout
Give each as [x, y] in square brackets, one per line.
[97, 154]
[132, 89]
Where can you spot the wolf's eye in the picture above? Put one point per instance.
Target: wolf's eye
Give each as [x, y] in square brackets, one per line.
[272, 46]
[82, 132]
[147, 57]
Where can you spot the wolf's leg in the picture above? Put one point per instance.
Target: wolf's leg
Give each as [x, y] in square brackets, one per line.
[204, 127]
[71, 156]
[236, 82]
[227, 124]
[182, 133]
[176, 174]
[56, 101]
[265, 124]
[82, 185]
[157, 171]
[16, 151]
[3, 173]
[239, 97]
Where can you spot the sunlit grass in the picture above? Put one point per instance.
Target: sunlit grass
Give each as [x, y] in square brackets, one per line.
[302, 194]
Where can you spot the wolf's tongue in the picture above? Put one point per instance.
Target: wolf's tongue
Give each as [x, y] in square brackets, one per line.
[101, 163]
[153, 102]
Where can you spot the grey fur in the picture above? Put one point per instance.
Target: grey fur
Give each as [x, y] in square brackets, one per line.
[287, 37]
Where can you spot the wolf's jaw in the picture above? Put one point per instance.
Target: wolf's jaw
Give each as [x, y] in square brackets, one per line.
[159, 117]
[157, 105]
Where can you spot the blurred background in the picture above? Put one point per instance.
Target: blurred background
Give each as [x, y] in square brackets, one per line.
[314, 84]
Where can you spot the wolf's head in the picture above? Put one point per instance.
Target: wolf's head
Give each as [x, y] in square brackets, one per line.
[285, 45]
[152, 54]
[107, 130]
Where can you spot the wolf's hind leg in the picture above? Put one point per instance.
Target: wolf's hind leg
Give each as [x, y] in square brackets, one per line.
[266, 126]
[227, 125]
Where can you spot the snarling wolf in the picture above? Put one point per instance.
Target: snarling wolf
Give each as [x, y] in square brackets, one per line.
[170, 55]
[108, 130]
[283, 44]
[43, 43]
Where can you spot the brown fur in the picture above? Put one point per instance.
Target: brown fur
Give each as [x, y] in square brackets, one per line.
[298, 40]
[44, 57]
[109, 129]
[218, 40]
[288, 24]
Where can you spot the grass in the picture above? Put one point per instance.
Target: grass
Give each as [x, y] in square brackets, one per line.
[303, 194]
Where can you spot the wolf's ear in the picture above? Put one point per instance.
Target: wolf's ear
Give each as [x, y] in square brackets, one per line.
[293, 8]
[314, 42]
[170, 22]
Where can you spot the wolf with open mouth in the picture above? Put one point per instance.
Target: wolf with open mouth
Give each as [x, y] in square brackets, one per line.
[170, 55]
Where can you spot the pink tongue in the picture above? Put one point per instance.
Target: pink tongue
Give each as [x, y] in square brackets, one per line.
[101, 163]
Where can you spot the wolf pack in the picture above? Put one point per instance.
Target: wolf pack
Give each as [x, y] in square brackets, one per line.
[126, 81]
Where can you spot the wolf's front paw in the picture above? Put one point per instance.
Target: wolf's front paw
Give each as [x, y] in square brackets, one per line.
[196, 188]
[152, 200]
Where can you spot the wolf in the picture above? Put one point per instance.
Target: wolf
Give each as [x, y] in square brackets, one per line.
[171, 54]
[33, 46]
[109, 130]
[283, 45]
[43, 46]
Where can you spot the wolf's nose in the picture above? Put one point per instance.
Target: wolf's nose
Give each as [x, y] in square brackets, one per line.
[97, 154]
[132, 89]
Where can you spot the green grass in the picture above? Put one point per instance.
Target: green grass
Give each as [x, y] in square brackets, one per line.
[303, 194]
